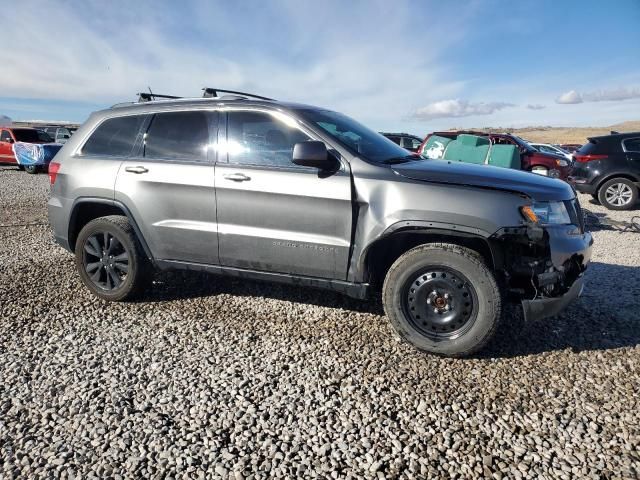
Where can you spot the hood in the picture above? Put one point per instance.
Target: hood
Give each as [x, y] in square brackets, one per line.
[533, 185]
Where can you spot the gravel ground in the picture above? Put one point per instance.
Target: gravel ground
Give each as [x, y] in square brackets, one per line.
[216, 378]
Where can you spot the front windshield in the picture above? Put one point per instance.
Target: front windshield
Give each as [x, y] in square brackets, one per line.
[523, 144]
[31, 135]
[356, 137]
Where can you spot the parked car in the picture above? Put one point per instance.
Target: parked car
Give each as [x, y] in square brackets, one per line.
[608, 168]
[10, 135]
[570, 147]
[59, 134]
[405, 140]
[308, 196]
[436, 146]
[553, 149]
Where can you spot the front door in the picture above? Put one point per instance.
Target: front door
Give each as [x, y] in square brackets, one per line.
[169, 186]
[632, 148]
[273, 215]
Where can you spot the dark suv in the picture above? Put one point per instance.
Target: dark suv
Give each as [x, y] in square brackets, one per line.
[608, 168]
[256, 188]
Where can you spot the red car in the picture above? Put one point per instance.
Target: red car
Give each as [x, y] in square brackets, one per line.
[531, 160]
[11, 135]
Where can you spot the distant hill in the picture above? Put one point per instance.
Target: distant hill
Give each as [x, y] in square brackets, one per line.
[566, 134]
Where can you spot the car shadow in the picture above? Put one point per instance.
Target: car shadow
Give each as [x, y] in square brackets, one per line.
[180, 285]
[605, 317]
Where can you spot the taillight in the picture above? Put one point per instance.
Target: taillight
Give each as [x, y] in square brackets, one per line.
[53, 172]
[588, 158]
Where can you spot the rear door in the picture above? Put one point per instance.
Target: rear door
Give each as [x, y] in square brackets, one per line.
[6, 147]
[169, 186]
[273, 215]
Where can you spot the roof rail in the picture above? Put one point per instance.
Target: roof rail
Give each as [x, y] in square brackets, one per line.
[213, 92]
[149, 97]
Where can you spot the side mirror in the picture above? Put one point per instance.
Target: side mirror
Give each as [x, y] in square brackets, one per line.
[313, 154]
[9, 140]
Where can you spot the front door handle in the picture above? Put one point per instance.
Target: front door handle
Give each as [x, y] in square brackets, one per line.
[237, 177]
[137, 169]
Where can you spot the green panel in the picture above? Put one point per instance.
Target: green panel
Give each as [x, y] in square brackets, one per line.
[463, 153]
[435, 146]
[472, 140]
[506, 156]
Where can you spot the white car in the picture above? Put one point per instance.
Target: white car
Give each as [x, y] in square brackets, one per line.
[548, 148]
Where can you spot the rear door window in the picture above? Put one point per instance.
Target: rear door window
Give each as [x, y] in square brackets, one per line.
[114, 137]
[178, 135]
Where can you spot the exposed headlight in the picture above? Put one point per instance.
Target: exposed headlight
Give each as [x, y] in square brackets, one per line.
[562, 163]
[546, 213]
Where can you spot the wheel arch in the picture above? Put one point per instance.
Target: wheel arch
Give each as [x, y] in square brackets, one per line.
[611, 176]
[85, 209]
[385, 250]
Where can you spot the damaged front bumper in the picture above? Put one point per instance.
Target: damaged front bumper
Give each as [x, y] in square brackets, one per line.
[544, 266]
[540, 308]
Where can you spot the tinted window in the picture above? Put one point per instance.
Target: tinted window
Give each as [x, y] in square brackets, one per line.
[255, 138]
[31, 135]
[4, 136]
[395, 140]
[114, 137]
[632, 144]
[178, 135]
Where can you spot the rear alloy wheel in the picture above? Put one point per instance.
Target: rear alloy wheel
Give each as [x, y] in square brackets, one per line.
[442, 298]
[110, 259]
[618, 194]
[31, 169]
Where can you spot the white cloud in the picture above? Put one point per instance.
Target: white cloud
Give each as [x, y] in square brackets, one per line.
[570, 97]
[107, 58]
[458, 108]
[605, 95]
[536, 106]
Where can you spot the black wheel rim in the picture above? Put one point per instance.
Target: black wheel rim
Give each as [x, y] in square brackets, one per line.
[106, 261]
[440, 303]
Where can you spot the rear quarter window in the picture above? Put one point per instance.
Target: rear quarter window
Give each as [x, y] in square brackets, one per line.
[114, 137]
[632, 144]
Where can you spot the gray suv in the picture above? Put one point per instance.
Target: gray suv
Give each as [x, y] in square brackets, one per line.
[262, 189]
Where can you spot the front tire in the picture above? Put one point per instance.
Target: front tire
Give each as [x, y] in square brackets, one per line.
[618, 194]
[442, 298]
[110, 259]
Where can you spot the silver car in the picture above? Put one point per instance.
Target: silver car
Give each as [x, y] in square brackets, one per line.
[268, 190]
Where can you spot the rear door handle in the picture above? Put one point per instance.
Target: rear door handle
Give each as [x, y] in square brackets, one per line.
[237, 177]
[137, 169]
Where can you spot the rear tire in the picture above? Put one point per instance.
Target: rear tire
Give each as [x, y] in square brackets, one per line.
[442, 298]
[110, 259]
[32, 169]
[618, 194]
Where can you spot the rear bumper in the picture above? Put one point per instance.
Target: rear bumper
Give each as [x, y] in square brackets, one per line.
[548, 307]
[581, 185]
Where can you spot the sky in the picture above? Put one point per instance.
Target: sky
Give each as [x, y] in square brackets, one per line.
[402, 65]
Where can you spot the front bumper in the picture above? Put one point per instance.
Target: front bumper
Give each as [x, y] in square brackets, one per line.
[538, 309]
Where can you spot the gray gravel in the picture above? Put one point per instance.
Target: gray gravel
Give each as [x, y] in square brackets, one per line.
[217, 378]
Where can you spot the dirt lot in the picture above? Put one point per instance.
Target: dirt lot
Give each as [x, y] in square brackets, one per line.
[577, 135]
[216, 378]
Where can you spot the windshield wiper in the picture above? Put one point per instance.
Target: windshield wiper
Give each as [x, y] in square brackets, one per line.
[407, 158]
